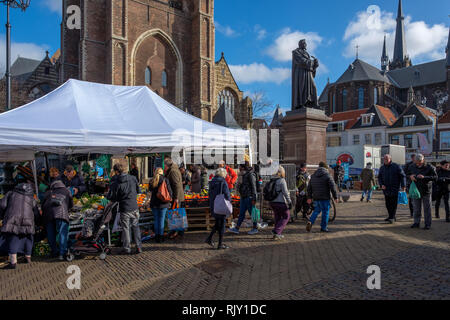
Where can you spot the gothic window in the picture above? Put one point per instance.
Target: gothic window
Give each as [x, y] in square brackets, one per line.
[344, 100]
[164, 79]
[148, 76]
[361, 98]
[226, 98]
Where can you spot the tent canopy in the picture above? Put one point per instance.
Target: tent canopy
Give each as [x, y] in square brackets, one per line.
[82, 117]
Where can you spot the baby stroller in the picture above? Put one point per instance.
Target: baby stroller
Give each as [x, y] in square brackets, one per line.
[90, 240]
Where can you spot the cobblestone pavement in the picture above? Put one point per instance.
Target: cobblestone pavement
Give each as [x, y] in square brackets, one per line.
[415, 264]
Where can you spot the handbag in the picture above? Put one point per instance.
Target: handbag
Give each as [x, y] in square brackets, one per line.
[163, 192]
[402, 198]
[177, 219]
[222, 206]
[256, 215]
[414, 193]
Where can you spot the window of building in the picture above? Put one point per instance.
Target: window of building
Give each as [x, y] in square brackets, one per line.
[367, 119]
[356, 139]
[47, 70]
[368, 138]
[408, 141]
[334, 102]
[164, 79]
[361, 98]
[378, 140]
[375, 95]
[334, 141]
[409, 121]
[395, 140]
[226, 97]
[148, 76]
[344, 100]
[336, 127]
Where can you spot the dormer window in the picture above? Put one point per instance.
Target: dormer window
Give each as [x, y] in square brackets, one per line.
[367, 119]
[409, 121]
[336, 127]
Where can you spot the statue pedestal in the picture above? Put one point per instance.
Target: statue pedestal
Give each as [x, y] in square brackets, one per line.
[305, 136]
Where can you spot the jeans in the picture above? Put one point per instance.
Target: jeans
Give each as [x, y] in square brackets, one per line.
[219, 227]
[445, 196]
[369, 194]
[282, 216]
[324, 207]
[130, 223]
[391, 205]
[55, 228]
[245, 205]
[417, 204]
[159, 215]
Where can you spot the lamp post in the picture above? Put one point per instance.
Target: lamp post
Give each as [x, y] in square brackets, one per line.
[23, 5]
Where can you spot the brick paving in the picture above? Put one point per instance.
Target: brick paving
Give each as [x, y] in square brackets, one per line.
[415, 264]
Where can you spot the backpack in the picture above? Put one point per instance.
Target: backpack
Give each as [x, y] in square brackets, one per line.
[270, 193]
[57, 200]
[163, 193]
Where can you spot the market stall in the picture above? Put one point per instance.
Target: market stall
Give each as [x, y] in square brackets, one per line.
[86, 118]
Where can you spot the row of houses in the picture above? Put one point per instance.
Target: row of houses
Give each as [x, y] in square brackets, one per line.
[418, 128]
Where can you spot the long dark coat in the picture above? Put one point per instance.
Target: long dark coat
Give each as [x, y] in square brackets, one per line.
[304, 89]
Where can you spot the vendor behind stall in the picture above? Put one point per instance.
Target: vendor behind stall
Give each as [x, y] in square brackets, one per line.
[73, 181]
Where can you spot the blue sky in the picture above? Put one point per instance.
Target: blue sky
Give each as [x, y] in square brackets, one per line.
[258, 36]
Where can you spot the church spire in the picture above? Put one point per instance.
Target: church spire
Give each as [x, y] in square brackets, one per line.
[401, 59]
[447, 51]
[384, 57]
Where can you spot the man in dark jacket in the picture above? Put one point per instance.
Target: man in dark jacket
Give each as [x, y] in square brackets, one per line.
[320, 189]
[443, 189]
[134, 171]
[248, 192]
[73, 181]
[20, 213]
[408, 183]
[422, 175]
[391, 178]
[339, 173]
[55, 207]
[124, 191]
[301, 203]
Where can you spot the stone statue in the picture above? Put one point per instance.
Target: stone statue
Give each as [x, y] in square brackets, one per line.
[304, 66]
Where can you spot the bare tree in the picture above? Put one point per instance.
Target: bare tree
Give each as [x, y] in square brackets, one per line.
[263, 108]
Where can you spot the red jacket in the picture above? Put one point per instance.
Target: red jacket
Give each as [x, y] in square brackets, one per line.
[231, 177]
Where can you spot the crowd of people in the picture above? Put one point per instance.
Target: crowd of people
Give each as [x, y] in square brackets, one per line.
[20, 212]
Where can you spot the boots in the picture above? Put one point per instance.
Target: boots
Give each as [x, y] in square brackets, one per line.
[158, 238]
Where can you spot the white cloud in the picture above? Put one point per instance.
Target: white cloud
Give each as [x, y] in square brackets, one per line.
[225, 30]
[53, 5]
[423, 42]
[260, 32]
[23, 49]
[257, 72]
[281, 49]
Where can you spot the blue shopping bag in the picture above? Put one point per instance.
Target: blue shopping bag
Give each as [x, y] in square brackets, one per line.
[177, 219]
[402, 198]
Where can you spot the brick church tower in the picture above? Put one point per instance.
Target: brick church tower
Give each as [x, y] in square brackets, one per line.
[167, 45]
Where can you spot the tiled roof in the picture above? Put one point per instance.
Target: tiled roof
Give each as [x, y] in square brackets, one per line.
[24, 66]
[350, 116]
[419, 75]
[362, 71]
[445, 118]
[388, 115]
[427, 111]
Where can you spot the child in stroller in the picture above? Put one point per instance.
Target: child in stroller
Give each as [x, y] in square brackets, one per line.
[90, 241]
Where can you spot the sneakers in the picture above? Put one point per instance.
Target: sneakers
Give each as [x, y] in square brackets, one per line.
[234, 230]
[278, 237]
[10, 266]
[325, 230]
[210, 243]
[369, 201]
[223, 247]
[426, 228]
[61, 257]
[415, 226]
[309, 227]
[138, 250]
[253, 231]
[362, 199]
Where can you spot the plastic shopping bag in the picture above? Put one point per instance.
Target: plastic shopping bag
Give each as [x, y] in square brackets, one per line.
[177, 219]
[414, 193]
[256, 215]
[402, 198]
[116, 226]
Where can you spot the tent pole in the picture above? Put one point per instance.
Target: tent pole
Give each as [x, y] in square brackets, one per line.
[35, 176]
[47, 165]
[184, 157]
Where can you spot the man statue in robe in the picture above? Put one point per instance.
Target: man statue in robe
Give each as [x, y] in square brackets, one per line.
[304, 66]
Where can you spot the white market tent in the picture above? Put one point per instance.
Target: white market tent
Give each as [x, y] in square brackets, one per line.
[82, 117]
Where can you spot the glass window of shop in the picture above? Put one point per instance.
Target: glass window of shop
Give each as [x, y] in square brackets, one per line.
[356, 139]
[395, 139]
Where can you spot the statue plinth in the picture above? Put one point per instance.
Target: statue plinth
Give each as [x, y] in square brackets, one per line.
[305, 136]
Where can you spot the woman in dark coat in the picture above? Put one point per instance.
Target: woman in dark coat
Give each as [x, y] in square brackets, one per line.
[19, 212]
[217, 186]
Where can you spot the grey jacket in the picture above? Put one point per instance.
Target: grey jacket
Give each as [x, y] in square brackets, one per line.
[282, 191]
